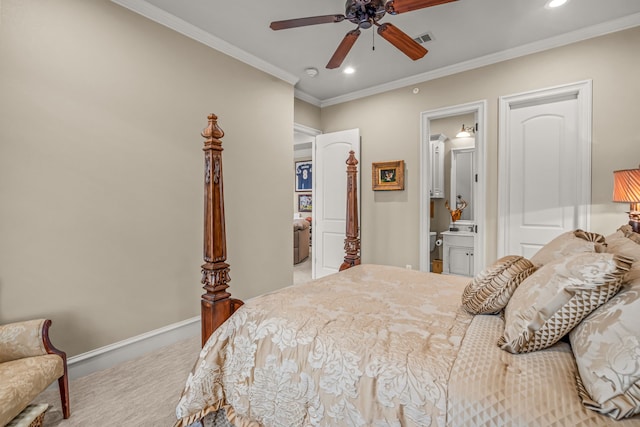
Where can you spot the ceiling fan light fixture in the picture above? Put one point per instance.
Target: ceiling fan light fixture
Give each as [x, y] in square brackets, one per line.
[349, 70]
[365, 14]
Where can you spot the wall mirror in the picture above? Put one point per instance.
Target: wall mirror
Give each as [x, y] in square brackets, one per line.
[462, 174]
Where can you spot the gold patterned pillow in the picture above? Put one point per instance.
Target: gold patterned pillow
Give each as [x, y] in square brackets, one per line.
[589, 236]
[606, 346]
[490, 290]
[569, 243]
[554, 299]
[629, 233]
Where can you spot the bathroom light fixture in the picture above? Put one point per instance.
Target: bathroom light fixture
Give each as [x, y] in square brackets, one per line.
[465, 132]
[626, 188]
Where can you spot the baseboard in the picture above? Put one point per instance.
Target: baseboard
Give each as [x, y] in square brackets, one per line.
[131, 348]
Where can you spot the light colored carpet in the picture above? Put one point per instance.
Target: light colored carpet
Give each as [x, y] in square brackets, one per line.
[302, 271]
[142, 392]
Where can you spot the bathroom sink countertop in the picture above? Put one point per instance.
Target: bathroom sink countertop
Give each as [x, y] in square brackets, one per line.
[459, 233]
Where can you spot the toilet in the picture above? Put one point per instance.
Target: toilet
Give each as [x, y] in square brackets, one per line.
[432, 240]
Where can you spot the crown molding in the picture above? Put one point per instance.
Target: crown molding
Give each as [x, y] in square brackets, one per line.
[303, 96]
[528, 49]
[181, 26]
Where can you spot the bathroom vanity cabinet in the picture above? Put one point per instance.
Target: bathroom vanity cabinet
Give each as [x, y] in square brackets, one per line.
[458, 253]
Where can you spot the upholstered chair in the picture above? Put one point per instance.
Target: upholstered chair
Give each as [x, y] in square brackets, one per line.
[29, 363]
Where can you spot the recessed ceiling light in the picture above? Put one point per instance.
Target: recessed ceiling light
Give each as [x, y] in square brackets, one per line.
[555, 3]
[349, 70]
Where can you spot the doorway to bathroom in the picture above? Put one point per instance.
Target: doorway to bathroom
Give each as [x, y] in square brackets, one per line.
[453, 188]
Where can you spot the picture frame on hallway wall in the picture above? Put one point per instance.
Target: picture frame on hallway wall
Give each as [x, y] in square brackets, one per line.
[387, 175]
[304, 174]
[305, 203]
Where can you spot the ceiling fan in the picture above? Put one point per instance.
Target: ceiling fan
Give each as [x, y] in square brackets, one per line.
[365, 14]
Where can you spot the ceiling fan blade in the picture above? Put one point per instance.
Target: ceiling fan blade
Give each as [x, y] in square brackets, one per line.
[394, 7]
[343, 49]
[402, 41]
[302, 22]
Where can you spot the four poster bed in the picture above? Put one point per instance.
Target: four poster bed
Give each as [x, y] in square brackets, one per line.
[385, 346]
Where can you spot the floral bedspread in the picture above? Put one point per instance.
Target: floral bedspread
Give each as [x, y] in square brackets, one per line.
[370, 346]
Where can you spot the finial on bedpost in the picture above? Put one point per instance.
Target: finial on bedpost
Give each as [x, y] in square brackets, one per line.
[216, 304]
[352, 242]
[212, 132]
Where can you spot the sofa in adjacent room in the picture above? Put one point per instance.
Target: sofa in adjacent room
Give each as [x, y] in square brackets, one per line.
[301, 234]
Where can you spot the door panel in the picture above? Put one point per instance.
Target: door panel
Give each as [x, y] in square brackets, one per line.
[330, 198]
[542, 174]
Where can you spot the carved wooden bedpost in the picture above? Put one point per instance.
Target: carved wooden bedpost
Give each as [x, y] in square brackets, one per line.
[216, 304]
[352, 242]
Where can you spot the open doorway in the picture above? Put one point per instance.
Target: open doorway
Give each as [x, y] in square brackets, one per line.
[452, 177]
[303, 142]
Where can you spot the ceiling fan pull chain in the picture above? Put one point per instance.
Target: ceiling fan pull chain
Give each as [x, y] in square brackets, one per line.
[373, 40]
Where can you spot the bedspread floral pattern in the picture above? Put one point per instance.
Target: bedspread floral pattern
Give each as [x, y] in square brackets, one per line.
[372, 346]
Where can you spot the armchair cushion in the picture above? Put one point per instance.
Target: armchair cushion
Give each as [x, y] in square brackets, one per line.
[23, 379]
[21, 339]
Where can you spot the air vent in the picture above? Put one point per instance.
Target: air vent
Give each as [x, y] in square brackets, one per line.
[423, 38]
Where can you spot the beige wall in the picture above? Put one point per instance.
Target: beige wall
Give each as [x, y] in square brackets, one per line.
[390, 219]
[306, 114]
[101, 170]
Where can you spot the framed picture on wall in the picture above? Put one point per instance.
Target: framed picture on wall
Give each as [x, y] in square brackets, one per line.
[305, 203]
[388, 175]
[304, 172]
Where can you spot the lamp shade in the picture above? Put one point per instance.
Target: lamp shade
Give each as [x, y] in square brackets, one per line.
[626, 185]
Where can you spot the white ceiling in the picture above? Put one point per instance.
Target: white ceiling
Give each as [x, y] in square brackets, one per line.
[466, 34]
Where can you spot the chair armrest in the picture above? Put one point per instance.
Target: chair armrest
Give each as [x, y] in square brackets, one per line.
[23, 339]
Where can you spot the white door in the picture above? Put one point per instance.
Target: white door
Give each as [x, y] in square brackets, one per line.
[542, 182]
[330, 198]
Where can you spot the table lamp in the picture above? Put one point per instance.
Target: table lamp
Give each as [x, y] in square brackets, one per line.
[626, 188]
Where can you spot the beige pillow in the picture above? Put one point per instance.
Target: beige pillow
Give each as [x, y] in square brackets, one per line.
[554, 299]
[606, 346]
[629, 233]
[569, 243]
[490, 290]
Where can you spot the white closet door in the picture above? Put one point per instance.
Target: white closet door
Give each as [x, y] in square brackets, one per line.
[544, 176]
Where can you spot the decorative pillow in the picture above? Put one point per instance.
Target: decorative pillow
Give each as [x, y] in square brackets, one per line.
[617, 235]
[589, 236]
[569, 243]
[554, 299]
[629, 233]
[624, 246]
[606, 346]
[490, 290]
